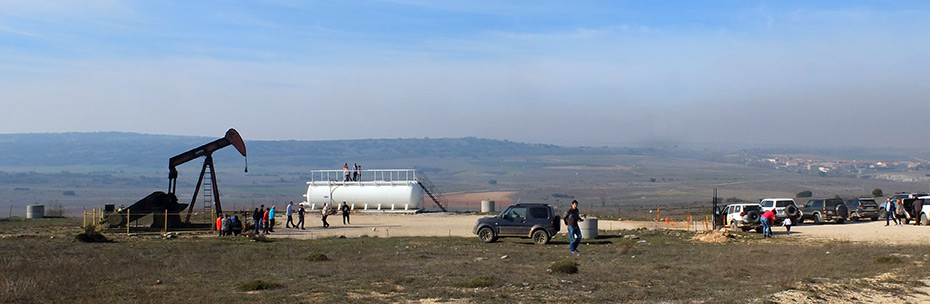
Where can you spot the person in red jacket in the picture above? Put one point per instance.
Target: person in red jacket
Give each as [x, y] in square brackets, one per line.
[265, 222]
[219, 225]
[768, 218]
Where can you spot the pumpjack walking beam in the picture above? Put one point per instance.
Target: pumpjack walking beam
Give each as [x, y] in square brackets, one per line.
[232, 138]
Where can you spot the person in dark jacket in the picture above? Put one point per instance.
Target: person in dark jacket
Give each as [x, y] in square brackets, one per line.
[345, 213]
[257, 218]
[890, 212]
[300, 218]
[918, 207]
[572, 218]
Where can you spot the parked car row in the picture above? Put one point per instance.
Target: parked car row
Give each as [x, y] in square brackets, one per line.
[745, 216]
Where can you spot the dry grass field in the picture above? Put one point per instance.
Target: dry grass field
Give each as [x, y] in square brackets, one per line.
[40, 262]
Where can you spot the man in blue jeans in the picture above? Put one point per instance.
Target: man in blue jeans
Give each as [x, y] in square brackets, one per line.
[572, 218]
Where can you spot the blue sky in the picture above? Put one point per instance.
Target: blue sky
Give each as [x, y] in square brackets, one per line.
[569, 73]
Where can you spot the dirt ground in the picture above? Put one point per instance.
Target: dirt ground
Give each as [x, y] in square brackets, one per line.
[876, 289]
[450, 224]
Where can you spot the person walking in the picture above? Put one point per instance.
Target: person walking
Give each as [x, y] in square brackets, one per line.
[271, 219]
[572, 218]
[257, 218]
[787, 223]
[345, 213]
[290, 215]
[900, 213]
[325, 211]
[300, 218]
[345, 171]
[767, 219]
[219, 225]
[265, 222]
[890, 212]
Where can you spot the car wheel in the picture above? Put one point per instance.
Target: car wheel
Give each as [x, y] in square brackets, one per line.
[840, 221]
[817, 219]
[733, 225]
[758, 229]
[486, 235]
[854, 218]
[874, 218]
[744, 229]
[792, 211]
[540, 237]
[923, 220]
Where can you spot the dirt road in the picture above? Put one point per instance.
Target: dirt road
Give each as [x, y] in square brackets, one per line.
[445, 224]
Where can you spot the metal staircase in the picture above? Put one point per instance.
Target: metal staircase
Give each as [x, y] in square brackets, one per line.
[432, 191]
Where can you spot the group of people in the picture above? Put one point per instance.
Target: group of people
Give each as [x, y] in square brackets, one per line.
[768, 220]
[353, 175]
[263, 219]
[897, 212]
[228, 225]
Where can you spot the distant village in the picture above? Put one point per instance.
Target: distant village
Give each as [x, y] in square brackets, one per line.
[892, 170]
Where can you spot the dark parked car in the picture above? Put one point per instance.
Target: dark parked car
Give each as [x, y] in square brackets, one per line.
[536, 221]
[821, 209]
[862, 208]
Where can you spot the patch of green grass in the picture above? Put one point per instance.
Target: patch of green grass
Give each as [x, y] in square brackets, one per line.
[482, 281]
[257, 284]
[890, 259]
[317, 257]
[564, 266]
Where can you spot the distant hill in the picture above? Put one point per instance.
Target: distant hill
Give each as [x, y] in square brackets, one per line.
[145, 150]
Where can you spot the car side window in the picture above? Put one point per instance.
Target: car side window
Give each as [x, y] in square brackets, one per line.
[539, 212]
[767, 204]
[737, 209]
[818, 204]
[809, 204]
[516, 213]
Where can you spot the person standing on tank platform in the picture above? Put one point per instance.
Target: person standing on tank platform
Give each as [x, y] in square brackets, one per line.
[572, 218]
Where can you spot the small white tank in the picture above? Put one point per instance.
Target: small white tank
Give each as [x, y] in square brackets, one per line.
[487, 206]
[35, 211]
[588, 228]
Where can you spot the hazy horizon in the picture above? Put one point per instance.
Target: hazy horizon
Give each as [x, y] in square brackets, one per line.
[783, 73]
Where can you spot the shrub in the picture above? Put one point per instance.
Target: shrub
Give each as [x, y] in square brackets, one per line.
[259, 238]
[492, 182]
[564, 266]
[483, 281]
[888, 260]
[878, 192]
[257, 284]
[91, 236]
[805, 193]
[317, 257]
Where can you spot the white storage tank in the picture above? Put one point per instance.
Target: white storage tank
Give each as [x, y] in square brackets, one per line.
[487, 206]
[35, 211]
[383, 190]
[588, 228]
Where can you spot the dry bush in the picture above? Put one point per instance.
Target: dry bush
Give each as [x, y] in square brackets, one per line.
[317, 257]
[482, 281]
[257, 284]
[564, 266]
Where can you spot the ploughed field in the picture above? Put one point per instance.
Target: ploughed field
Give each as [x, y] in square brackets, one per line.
[40, 261]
